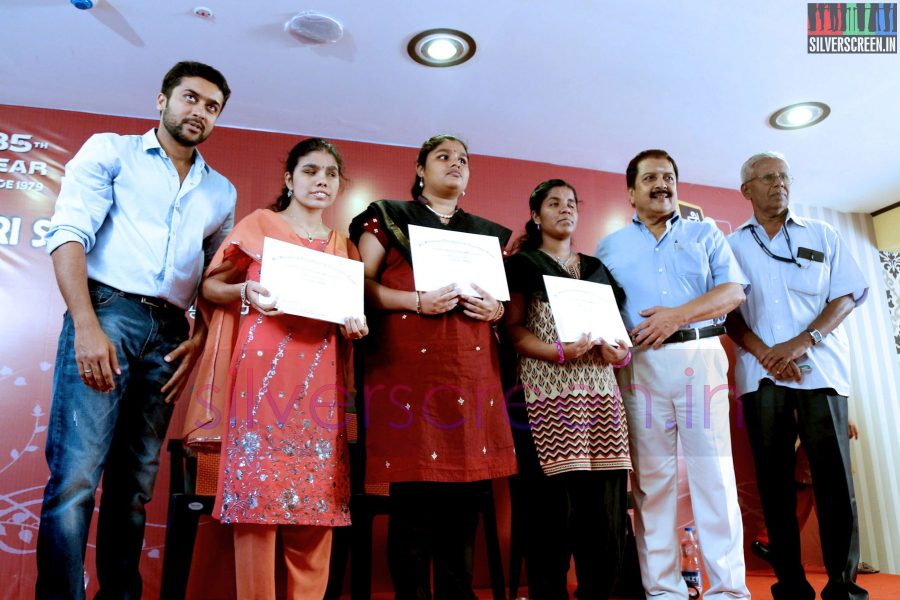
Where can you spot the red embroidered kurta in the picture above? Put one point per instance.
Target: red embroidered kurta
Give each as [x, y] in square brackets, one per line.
[434, 404]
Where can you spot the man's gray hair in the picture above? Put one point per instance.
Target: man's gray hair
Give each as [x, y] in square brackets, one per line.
[747, 167]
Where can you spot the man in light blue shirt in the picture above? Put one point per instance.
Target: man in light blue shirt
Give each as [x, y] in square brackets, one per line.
[680, 280]
[793, 376]
[135, 217]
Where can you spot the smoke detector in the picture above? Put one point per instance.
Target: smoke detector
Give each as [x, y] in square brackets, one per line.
[311, 26]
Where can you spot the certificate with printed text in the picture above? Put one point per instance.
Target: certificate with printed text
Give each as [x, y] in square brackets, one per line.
[581, 307]
[442, 257]
[312, 284]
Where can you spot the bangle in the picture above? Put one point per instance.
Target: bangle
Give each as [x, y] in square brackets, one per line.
[559, 352]
[245, 304]
[498, 314]
[418, 303]
[624, 363]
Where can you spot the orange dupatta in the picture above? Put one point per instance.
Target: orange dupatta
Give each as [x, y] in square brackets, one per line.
[204, 422]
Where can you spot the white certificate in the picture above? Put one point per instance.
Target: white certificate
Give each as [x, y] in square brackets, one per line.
[581, 307]
[312, 284]
[441, 257]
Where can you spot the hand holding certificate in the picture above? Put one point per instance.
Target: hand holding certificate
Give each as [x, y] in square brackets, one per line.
[312, 284]
[581, 307]
[442, 257]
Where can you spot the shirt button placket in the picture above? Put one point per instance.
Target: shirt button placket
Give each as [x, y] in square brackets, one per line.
[173, 233]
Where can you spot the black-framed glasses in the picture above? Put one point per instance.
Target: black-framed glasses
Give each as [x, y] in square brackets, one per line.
[771, 178]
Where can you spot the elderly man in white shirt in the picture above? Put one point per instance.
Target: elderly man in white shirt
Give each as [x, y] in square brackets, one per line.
[792, 374]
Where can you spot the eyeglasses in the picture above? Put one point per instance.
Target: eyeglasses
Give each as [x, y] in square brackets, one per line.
[771, 178]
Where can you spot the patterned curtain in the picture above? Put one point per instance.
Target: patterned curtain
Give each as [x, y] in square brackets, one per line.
[890, 261]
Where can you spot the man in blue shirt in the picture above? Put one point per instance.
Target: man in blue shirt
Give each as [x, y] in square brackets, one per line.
[793, 375]
[680, 280]
[134, 219]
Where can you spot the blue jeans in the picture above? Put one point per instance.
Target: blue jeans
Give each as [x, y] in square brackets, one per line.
[118, 434]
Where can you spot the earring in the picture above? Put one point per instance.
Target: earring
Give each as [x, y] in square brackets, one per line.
[539, 226]
[463, 193]
[290, 193]
[421, 182]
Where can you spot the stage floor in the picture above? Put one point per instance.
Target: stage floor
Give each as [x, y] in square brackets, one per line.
[880, 586]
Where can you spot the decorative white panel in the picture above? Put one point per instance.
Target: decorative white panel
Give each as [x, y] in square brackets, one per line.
[874, 396]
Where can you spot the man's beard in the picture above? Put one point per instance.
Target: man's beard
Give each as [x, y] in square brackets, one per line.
[176, 130]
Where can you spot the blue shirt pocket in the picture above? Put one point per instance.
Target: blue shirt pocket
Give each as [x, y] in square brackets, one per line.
[810, 279]
[689, 261]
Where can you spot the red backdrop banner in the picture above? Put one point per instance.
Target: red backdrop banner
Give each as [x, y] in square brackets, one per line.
[34, 147]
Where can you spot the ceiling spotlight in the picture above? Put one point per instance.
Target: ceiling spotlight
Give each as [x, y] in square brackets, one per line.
[441, 47]
[797, 116]
[82, 4]
[312, 26]
[204, 12]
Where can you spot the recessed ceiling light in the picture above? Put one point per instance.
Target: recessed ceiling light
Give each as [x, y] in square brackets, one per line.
[797, 116]
[441, 47]
[82, 4]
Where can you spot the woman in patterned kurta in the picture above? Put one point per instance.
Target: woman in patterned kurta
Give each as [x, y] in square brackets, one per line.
[436, 428]
[573, 454]
[284, 455]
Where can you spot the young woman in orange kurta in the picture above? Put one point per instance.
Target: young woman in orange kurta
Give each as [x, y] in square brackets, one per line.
[284, 457]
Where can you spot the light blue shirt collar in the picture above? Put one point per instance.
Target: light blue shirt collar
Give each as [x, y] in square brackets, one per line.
[669, 222]
[791, 217]
[149, 141]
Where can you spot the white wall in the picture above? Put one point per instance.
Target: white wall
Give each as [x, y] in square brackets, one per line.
[874, 397]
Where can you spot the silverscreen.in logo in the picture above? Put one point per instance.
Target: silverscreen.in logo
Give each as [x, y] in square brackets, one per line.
[854, 28]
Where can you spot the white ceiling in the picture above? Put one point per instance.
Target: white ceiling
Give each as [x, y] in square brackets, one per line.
[586, 83]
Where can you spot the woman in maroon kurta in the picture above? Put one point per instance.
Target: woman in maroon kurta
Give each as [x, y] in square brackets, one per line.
[435, 420]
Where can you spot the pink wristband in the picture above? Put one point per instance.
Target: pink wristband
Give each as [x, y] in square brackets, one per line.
[559, 351]
[625, 361]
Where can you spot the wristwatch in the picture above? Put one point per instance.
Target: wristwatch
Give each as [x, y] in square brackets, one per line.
[815, 335]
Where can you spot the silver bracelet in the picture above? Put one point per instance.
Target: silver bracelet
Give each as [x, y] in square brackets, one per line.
[245, 304]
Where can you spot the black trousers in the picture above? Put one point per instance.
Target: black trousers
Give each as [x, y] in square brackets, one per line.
[580, 514]
[433, 523]
[775, 415]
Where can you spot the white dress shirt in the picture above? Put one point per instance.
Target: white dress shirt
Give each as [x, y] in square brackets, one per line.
[785, 298]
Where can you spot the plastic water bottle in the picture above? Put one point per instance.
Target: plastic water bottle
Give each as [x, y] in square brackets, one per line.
[690, 563]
